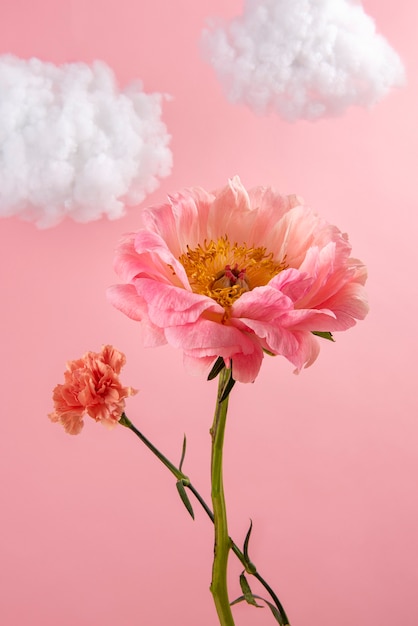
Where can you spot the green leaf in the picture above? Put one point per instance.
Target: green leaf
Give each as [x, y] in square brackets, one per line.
[247, 539]
[237, 601]
[324, 335]
[246, 590]
[227, 389]
[183, 452]
[184, 497]
[217, 368]
[268, 352]
[275, 612]
[273, 609]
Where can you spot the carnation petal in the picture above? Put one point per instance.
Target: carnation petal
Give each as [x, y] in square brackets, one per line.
[91, 386]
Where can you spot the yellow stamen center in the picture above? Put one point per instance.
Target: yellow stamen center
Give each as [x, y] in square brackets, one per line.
[224, 271]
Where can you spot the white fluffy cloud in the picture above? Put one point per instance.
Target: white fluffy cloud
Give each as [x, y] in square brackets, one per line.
[302, 58]
[72, 144]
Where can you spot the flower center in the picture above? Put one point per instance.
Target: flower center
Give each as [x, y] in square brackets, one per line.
[224, 271]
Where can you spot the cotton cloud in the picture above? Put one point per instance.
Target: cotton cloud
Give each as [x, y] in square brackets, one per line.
[72, 144]
[302, 58]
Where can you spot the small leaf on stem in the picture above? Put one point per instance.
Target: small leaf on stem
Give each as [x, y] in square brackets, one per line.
[271, 606]
[217, 368]
[227, 389]
[268, 352]
[324, 335]
[183, 452]
[184, 497]
[246, 590]
[275, 612]
[247, 539]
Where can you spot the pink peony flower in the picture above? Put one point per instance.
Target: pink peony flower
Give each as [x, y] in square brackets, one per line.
[236, 274]
[91, 386]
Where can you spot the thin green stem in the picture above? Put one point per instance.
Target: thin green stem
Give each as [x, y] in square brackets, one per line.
[222, 544]
[275, 598]
[124, 421]
[201, 501]
[249, 566]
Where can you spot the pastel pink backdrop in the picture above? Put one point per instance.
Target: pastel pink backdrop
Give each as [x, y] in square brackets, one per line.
[324, 463]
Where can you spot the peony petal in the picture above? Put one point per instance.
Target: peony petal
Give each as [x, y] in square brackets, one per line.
[183, 221]
[262, 303]
[126, 299]
[172, 306]
[307, 352]
[231, 213]
[198, 366]
[206, 338]
[320, 289]
[270, 207]
[156, 261]
[191, 209]
[292, 283]
[245, 368]
[310, 319]
[349, 304]
[126, 258]
[262, 311]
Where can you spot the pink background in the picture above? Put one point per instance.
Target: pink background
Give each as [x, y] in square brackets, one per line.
[325, 463]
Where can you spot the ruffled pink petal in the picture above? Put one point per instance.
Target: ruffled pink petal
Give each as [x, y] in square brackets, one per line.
[126, 299]
[126, 259]
[198, 366]
[307, 352]
[206, 338]
[348, 305]
[321, 289]
[261, 311]
[329, 269]
[245, 367]
[231, 213]
[270, 207]
[292, 283]
[182, 222]
[310, 319]
[155, 260]
[298, 230]
[360, 271]
[146, 254]
[171, 306]
[191, 209]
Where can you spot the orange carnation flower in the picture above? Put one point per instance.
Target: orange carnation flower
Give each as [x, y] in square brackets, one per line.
[91, 386]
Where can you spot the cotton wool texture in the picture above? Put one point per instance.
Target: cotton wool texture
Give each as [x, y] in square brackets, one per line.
[302, 59]
[72, 144]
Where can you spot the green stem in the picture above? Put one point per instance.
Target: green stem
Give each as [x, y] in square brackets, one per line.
[222, 545]
[275, 598]
[249, 566]
[124, 421]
